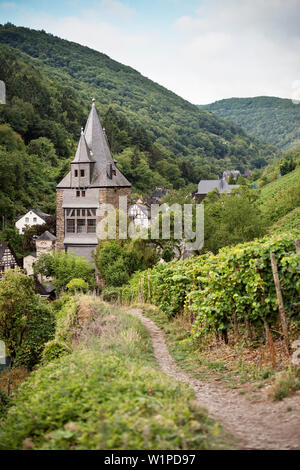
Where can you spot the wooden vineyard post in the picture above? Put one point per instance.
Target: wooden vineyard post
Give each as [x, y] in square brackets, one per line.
[282, 315]
[270, 344]
[149, 288]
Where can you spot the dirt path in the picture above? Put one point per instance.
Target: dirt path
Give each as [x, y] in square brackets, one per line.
[260, 425]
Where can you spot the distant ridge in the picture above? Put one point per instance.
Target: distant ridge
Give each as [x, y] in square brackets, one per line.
[198, 143]
[273, 120]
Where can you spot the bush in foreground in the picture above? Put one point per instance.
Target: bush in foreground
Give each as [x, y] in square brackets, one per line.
[107, 394]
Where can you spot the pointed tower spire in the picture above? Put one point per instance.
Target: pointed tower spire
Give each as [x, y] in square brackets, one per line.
[83, 152]
[96, 139]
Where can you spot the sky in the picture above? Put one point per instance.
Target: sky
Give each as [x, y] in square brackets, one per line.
[203, 50]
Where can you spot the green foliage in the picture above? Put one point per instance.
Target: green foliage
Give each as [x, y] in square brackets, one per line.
[4, 404]
[232, 220]
[64, 267]
[280, 197]
[117, 260]
[158, 138]
[273, 120]
[26, 322]
[108, 394]
[77, 284]
[288, 223]
[237, 284]
[287, 165]
[53, 350]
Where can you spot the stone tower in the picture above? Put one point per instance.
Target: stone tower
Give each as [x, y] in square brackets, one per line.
[93, 180]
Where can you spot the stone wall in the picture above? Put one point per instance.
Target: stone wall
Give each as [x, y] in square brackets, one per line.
[111, 195]
[60, 220]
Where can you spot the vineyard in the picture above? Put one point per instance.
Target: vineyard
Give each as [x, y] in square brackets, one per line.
[231, 293]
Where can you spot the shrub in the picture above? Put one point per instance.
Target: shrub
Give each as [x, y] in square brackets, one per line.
[63, 268]
[285, 384]
[53, 350]
[77, 285]
[26, 322]
[235, 285]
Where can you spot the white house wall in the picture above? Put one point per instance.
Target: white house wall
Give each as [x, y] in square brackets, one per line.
[33, 219]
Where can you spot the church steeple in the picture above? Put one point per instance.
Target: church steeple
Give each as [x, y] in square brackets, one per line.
[82, 164]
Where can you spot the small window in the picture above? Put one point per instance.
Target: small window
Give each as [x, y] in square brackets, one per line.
[80, 225]
[76, 173]
[82, 173]
[77, 193]
[70, 226]
[91, 228]
[83, 193]
[34, 219]
[26, 219]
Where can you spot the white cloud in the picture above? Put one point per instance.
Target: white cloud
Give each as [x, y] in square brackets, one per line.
[241, 48]
[226, 48]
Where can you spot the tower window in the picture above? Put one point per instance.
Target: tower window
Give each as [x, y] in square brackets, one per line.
[91, 228]
[76, 173]
[70, 225]
[82, 193]
[80, 225]
[80, 220]
[81, 173]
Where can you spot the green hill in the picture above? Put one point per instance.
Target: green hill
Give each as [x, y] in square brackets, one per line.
[274, 120]
[191, 143]
[279, 200]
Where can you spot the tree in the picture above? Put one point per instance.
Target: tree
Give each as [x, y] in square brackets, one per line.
[232, 219]
[63, 267]
[26, 322]
[117, 260]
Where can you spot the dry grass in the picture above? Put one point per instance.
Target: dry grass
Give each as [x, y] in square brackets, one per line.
[11, 379]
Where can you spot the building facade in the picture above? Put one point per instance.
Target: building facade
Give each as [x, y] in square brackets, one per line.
[94, 180]
[32, 217]
[8, 259]
[205, 186]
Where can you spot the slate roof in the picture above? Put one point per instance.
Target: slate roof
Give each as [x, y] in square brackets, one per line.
[205, 186]
[93, 147]
[38, 212]
[83, 153]
[47, 236]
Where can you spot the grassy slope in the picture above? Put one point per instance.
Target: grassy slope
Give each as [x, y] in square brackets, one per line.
[274, 120]
[279, 200]
[280, 184]
[289, 222]
[171, 121]
[107, 394]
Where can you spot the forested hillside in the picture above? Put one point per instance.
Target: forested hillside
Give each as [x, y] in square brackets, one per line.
[273, 120]
[157, 137]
